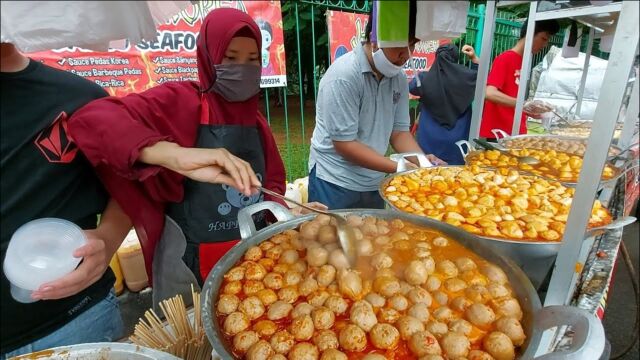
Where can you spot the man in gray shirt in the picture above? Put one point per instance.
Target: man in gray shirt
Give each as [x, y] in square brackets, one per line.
[362, 108]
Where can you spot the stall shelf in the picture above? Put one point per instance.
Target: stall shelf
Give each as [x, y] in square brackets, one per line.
[583, 267]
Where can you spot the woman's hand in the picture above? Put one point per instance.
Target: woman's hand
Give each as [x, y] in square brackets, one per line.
[435, 160]
[299, 211]
[471, 53]
[216, 166]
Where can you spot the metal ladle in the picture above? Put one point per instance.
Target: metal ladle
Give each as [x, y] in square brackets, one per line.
[346, 235]
[529, 160]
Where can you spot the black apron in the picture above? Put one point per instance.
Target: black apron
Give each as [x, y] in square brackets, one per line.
[209, 212]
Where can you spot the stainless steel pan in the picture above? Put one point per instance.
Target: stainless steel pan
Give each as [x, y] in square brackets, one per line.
[588, 343]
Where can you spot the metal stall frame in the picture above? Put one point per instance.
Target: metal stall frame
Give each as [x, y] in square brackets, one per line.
[575, 248]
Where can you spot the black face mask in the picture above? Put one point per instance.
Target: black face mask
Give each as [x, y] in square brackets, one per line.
[237, 82]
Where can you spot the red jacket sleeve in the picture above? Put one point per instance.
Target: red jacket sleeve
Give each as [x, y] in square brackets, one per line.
[499, 71]
[275, 178]
[112, 131]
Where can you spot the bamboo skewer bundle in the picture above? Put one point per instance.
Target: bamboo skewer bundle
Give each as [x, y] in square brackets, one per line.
[183, 338]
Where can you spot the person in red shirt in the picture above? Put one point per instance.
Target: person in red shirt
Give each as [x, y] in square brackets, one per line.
[504, 79]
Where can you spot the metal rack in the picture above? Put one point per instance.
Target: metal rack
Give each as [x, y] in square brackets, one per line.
[575, 248]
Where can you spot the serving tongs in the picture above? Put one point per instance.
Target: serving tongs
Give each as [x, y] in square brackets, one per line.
[529, 160]
[616, 224]
[346, 235]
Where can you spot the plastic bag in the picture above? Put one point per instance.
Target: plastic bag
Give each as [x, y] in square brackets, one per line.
[537, 107]
[436, 20]
[44, 25]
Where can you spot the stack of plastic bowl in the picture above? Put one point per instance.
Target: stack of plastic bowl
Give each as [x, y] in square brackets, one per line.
[41, 251]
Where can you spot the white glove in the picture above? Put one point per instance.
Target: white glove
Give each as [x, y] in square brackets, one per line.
[537, 107]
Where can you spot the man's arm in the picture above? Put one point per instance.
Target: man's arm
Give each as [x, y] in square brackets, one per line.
[364, 156]
[496, 96]
[404, 142]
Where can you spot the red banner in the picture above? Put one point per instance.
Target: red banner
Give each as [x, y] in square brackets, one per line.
[172, 56]
[346, 31]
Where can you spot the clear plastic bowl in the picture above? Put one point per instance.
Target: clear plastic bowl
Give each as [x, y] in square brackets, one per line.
[41, 251]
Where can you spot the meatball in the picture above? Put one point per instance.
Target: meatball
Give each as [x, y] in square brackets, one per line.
[479, 355]
[299, 266]
[424, 343]
[235, 274]
[265, 328]
[317, 256]
[327, 234]
[508, 307]
[480, 315]
[440, 241]
[235, 323]
[512, 328]
[362, 315]
[266, 245]
[441, 298]
[431, 357]
[336, 304]
[386, 286]
[477, 293]
[326, 275]
[279, 310]
[494, 274]
[384, 336]
[267, 263]
[374, 357]
[252, 307]
[323, 318]
[244, 340]
[259, 351]
[461, 326]
[267, 296]
[282, 342]
[350, 284]
[292, 278]
[382, 240]
[353, 338]
[429, 264]
[386, 272]
[289, 256]
[252, 287]
[499, 346]
[304, 351]
[275, 252]
[387, 315]
[498, 290]
[318, 298]
[399, 302]
[455, 285]
[433, 283]
[302, 327]
[333, 354]
[437, 328]
[302, 309]
[375, 300]
[381, 261]
[325, 339]
[309, 230]
[308, 286]
[409, 325]
[254, 271]
[465, 264]
[288, 294]
[447, 268]
[364, 247]
[338, 259]
[277, 357]
[232, 287]
[455, 345]
[419, 311]
[228, 303]
[443, 314]
[460, 303]
[254, 253]
[416, 273]
[419, 295]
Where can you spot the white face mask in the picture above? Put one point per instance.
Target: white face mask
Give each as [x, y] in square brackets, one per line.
[384, 66]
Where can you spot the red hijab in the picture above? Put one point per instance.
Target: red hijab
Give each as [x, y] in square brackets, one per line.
[112, 131]
[217, 31]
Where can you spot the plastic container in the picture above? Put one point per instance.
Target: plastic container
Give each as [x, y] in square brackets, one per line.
[41, 251]
[118, 286]
[132, 263]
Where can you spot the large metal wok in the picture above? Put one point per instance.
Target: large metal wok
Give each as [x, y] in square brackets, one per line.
[588, 342]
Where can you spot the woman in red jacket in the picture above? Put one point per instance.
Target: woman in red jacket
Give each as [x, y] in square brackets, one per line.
[162, 152]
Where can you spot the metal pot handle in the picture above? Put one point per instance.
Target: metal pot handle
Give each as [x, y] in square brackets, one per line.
[464, 152]
[588, 340]
[499, 134]
[401, 159]
[245, 220]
